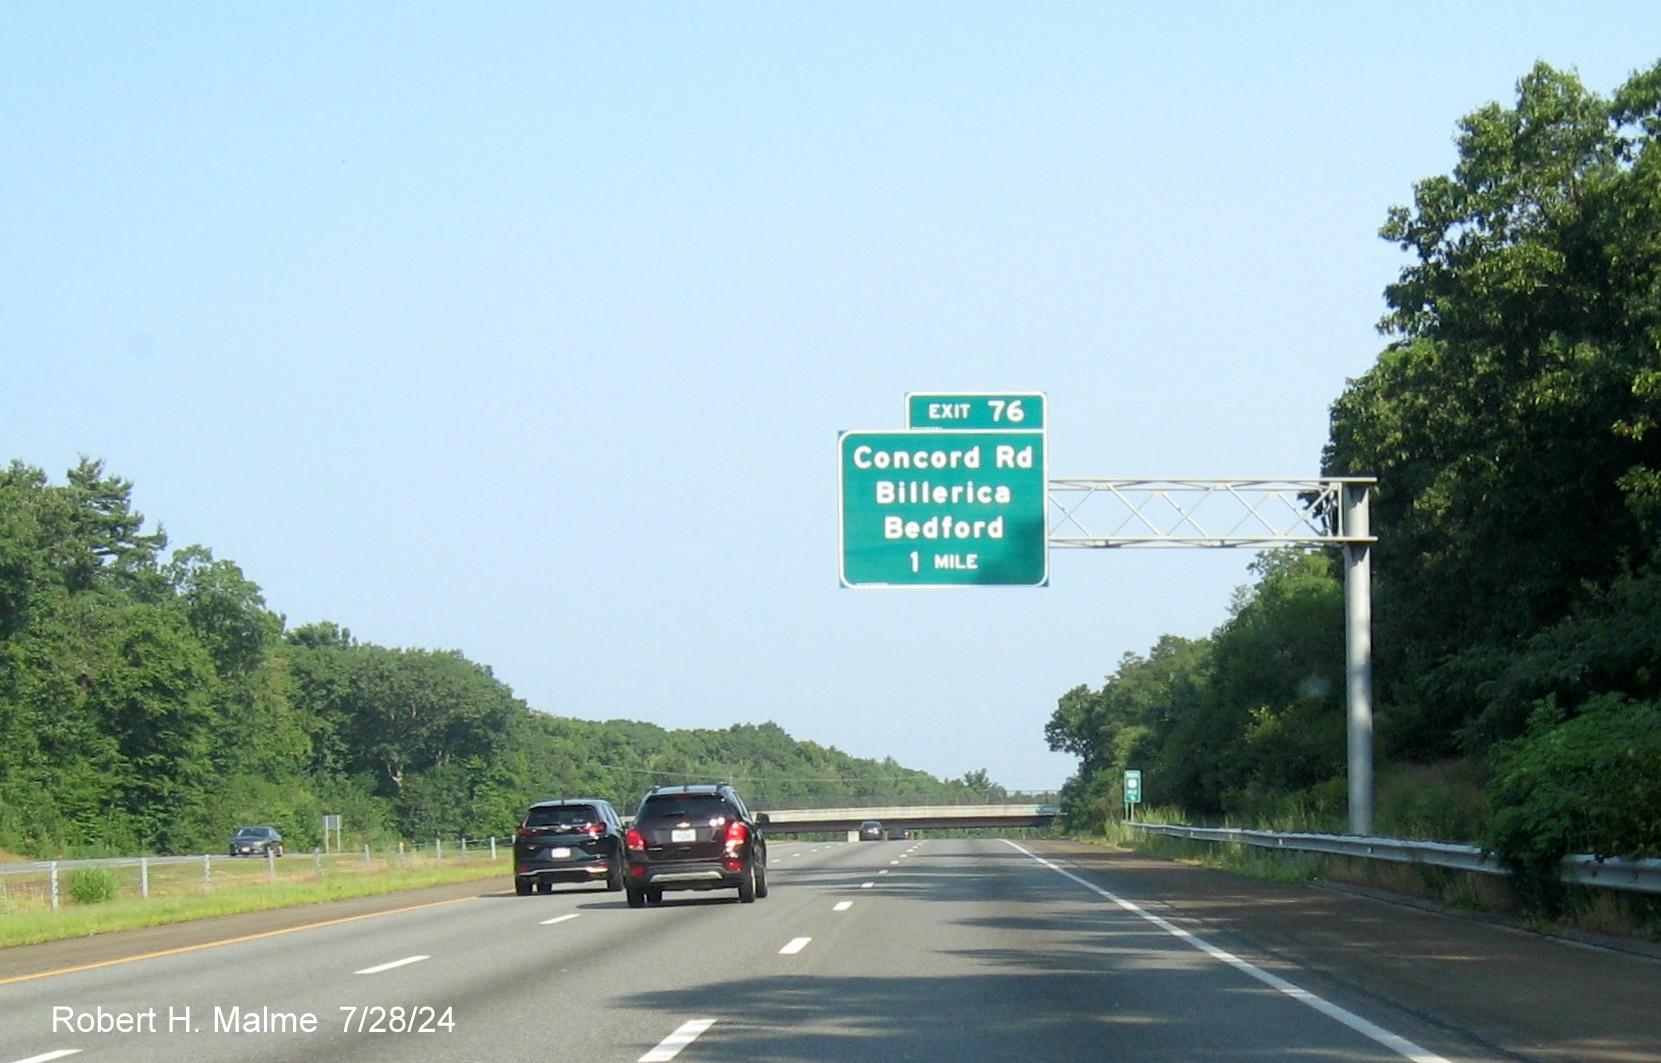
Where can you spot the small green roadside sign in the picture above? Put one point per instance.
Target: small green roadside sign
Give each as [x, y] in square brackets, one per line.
[943, 508]
[1133, 787]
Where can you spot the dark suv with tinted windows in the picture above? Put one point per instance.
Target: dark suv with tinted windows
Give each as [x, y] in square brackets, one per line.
[695, 838]
[577, 839]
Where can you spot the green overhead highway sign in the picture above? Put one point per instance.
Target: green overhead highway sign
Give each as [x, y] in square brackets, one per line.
[943, 508]
[1021, 410]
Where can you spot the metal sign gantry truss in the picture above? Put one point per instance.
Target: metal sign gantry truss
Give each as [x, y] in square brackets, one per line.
[1249, 514]
[1259, 514]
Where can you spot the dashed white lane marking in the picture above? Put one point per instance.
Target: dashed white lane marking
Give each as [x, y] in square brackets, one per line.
[395, 963]
[48, 1056]
[1399, 1045]
[671, 1046]
[866, 885]
[796, 945]
[560, 918]
[842, 906]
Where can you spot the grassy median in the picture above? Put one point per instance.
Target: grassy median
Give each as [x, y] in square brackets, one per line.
[178, 893]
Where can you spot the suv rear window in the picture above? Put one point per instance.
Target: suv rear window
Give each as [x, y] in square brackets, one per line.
[562, 816]
[699, 807]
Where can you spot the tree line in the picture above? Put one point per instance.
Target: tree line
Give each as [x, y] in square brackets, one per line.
[151, 701]
[1512, 422]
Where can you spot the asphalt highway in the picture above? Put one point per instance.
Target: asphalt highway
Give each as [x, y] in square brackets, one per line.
[939, 949]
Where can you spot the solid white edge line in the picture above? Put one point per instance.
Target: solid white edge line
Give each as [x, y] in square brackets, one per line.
[560, 918]
[794, 946]
[1397, 1044]
[46, 1057]
[671, 1046]
[395, 963]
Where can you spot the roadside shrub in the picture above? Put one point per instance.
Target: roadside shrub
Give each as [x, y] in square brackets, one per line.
[1580, 784]
[92, 885]
[1441, 802]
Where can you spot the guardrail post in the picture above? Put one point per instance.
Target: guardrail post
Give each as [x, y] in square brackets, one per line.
[317, 861]
[144, 877]
[54, 885]
[400, 855]
[270, 866]
[493, 848]
[438, 850]
[368, 865]
[207, 873]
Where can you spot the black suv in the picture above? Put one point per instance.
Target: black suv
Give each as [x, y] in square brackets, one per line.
[577, 839]
[695, 838]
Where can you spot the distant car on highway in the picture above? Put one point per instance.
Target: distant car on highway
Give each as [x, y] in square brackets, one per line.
[577, 839]
[256, 841]
[898, 834]
[870, 830]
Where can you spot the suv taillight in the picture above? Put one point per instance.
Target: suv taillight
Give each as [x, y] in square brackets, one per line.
[737, 835]
[593, 829]
[635, 841]
[525, 832]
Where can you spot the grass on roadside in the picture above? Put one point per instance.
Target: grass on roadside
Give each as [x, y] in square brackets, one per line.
[1599, 911]
[21, 925]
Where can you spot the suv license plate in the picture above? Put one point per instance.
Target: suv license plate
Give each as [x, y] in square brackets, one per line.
[683, 835]
[561, 853]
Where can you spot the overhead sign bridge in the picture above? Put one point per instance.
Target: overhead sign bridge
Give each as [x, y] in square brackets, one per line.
[962, 497]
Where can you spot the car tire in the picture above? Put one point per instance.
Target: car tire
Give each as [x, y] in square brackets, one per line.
[747, 886]
[544, 887]
[614, 878]
[761, 881]
[637, 899]
[654, 896]
[522, 887]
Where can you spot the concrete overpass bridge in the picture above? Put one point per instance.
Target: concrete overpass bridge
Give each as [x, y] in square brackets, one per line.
[911, 817]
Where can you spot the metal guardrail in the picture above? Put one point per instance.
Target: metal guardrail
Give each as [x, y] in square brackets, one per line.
[1637, 876]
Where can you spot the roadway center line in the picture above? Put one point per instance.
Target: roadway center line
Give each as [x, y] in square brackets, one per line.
[406, 961]
[1399, 1045]
[671, 1046]
[560, 918]
[796, 945]
[48, 1056]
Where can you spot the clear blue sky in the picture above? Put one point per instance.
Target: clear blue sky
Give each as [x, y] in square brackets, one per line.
[527, 330]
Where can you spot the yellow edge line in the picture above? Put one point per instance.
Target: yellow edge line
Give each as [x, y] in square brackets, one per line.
[227, 941]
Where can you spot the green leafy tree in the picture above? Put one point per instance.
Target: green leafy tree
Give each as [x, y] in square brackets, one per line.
[1511, 421]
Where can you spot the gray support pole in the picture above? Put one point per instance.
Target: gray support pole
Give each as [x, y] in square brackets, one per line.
[1358, 643]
